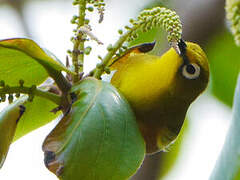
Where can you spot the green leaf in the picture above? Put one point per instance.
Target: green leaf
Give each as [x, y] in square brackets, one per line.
[24, 59]
[8, 121]
[12, 69]
[228, 164]
[12, 127]
[223, 56]
[37, 114]
[98, 139]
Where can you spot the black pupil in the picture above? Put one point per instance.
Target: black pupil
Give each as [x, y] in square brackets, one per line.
[190, 69]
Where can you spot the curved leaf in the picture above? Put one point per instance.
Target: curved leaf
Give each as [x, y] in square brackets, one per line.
[12, 70]
[12, 127]
[30, 48]
[8, 121]
[37, 114]
[228, 165]
[98, 139]
[24, 59]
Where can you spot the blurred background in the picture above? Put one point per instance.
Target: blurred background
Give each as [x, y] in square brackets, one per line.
[194, 154]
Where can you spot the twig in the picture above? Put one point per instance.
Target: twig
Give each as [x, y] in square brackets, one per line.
[78, 48]
[31, 91]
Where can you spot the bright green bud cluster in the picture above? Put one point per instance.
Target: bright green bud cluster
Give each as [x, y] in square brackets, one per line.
[147, 20]
[156, 17]
[233, 14]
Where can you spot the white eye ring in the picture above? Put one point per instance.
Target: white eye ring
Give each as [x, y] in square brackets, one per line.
[191, 71]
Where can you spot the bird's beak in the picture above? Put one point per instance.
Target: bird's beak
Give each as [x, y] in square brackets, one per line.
[182, 47]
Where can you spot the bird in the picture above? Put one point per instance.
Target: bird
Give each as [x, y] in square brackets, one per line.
[160, 89]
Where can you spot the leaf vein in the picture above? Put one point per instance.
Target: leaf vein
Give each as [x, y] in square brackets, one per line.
[98, 89]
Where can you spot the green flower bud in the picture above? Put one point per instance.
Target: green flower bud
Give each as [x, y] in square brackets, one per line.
[90, 9]
[120, 31]
[10, 98]
[87, 50]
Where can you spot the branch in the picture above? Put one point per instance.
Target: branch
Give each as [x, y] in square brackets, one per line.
[31, 91]
[82, 31]
[78, 47]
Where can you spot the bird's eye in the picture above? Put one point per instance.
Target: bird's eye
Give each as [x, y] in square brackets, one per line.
[191, 71]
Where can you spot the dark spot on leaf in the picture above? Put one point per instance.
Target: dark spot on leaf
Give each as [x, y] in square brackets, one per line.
[49, 157]
[60, 170]
[55, 110]
[73, 97]
[22, 109]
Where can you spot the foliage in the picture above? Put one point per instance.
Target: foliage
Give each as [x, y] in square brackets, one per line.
[30, 119]
[224, 66]
[98, 136]
[8, 121]
[100, 132]
[227, 166]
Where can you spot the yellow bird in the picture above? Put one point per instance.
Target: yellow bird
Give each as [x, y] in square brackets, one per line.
[160, 89]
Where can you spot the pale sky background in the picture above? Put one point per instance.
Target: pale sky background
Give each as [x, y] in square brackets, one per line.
[49, 23]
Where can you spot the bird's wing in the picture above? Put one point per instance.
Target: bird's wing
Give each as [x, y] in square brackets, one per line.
[117, 62]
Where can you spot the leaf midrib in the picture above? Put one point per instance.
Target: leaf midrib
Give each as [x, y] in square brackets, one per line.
[98, 89]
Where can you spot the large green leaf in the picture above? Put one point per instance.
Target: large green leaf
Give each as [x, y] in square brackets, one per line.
[224, 58]
[228, 165]
[8, 121]
[24, 59]
[98, 139]
[36, 115]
